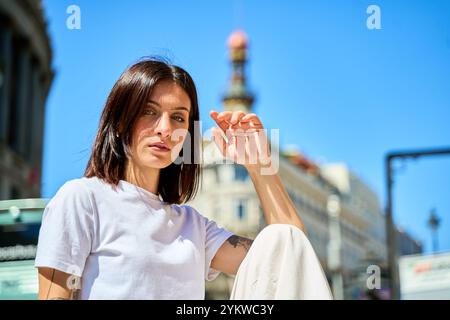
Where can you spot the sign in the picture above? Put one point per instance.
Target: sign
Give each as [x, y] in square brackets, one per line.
[425, 276]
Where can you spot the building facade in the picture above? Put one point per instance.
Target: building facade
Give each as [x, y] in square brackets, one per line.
[407, 245]
[25, 79]
[227, 194]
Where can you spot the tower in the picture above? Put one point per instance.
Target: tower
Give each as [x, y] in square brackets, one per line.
[237, 96]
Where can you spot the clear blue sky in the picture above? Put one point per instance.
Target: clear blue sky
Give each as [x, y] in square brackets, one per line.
[337, 90]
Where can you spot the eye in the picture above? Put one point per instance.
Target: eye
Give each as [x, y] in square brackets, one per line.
[179, 118]
[149, 111]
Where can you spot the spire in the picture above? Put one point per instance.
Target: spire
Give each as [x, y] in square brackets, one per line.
[237, 96]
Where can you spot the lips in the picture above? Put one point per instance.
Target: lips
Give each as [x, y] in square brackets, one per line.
[160, 146]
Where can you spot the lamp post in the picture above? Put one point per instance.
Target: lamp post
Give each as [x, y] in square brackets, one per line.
[334, 246]
[391, 236]
[433, 222]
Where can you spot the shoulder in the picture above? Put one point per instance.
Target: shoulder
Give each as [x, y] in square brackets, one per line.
[70, 187]
[82, 185]
[76, 190]
[189, 212]
[195, 216]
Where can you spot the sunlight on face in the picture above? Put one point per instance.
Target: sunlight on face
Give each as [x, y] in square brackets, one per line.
[164, 120]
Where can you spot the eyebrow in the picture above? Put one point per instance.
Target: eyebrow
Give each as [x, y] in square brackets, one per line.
[176, 108]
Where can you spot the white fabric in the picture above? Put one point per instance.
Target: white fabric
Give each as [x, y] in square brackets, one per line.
[281, 264]
[126, 243]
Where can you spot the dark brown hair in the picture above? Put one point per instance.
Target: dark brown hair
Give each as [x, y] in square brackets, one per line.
[178, 183]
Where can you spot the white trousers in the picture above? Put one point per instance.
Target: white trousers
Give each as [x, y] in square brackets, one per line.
[281, 264]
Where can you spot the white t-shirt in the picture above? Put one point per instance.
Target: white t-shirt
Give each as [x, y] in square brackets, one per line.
[126, 243]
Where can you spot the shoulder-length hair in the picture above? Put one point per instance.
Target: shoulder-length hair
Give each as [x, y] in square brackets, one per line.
[178, 183]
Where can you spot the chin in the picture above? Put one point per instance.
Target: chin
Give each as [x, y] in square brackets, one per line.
[156, 163]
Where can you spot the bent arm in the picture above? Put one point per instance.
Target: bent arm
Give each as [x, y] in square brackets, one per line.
[54, 285]
[276, 203]
[230, 255]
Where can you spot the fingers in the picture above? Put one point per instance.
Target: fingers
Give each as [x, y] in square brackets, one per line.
[263, 146]
[221, 121]
[250, 116]
[239, 146]
[252, 149]
[219, 140]
[252, 119]
[237, 119]
[245, 137]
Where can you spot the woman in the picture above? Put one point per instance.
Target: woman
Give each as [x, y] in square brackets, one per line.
[121, 231]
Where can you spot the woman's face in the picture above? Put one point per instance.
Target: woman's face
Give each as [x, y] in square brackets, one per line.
[162, 126]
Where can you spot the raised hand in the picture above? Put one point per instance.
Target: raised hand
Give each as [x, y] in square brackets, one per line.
[241, 138]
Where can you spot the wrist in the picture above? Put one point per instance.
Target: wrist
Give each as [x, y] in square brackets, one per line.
[256, 168]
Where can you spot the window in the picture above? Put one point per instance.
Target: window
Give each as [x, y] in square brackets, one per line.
[240, 173]
[241, 209]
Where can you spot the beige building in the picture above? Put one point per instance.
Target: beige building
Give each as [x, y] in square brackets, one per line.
[362, 200]
[25, 79]
[227, 194]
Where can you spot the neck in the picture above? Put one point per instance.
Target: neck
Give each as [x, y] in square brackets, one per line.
[146, 178]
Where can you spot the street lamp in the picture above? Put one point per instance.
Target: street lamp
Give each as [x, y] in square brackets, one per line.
[433, 222]
[334, 246]
[391, 236]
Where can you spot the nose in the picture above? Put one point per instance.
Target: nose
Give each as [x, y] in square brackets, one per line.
[163, 128]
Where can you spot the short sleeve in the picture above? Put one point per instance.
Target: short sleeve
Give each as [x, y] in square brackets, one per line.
[215, 237]
[66, 231]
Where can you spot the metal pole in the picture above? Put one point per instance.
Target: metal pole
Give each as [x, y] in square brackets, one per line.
[334, 247]
[435, 242]
[391, 232]
[433, 223]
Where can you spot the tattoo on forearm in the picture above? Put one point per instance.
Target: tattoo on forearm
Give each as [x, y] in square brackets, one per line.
[75, 294]
[73, 283]
[236, 241]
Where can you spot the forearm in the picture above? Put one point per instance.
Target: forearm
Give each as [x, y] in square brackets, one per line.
[276, 203]
[53, 285]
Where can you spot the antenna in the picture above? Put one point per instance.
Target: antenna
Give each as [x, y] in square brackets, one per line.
[238, 14]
